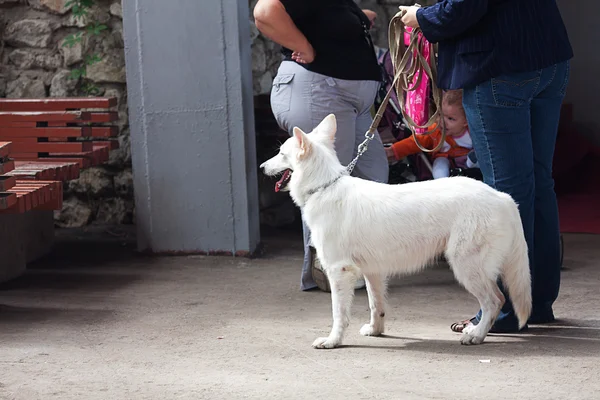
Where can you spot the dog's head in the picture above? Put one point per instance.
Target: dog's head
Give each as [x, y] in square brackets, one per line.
[298, 149]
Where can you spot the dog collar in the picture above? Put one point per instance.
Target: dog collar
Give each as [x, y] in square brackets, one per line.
[323, 187]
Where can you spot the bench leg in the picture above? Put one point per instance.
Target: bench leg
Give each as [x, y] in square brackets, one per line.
[39, 234]
[13, 246]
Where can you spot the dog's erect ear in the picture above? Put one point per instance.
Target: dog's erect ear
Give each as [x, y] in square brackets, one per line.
[303, 142]
[327, 127]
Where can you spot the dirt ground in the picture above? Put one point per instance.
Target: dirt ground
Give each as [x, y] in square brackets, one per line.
[97, 321]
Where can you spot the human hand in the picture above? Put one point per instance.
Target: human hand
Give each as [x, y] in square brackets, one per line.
[372, 15]
[305, 56]
[390, 154]
[410, 16]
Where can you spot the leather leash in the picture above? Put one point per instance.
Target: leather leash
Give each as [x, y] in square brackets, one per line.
[408, 62]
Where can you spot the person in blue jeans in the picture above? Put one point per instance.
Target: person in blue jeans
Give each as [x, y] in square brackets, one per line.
[511, 58]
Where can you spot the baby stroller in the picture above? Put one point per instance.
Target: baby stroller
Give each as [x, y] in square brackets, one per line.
[393, 127]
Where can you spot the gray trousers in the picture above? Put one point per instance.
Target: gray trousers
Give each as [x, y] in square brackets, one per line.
[303, 98]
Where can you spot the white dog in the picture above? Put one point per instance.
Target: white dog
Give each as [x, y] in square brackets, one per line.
[360, 227]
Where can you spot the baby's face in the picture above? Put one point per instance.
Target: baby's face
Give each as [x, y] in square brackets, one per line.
[455, 120]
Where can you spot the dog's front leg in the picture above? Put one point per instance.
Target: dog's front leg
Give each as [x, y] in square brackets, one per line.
[376, 288]
[342, 280]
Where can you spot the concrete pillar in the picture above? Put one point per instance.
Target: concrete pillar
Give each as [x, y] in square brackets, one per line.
[192, 126]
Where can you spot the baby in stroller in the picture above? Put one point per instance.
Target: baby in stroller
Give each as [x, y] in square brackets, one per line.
[456, 155]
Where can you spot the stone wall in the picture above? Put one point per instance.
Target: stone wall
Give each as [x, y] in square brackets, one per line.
[36, 64]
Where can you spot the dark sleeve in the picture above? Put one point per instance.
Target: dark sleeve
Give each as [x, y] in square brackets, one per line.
[450, 18]
[299, 8]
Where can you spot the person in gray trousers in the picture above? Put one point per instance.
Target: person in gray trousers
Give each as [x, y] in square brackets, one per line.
[329, 66]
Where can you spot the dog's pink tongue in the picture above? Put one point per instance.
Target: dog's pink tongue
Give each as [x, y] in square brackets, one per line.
[281, 182]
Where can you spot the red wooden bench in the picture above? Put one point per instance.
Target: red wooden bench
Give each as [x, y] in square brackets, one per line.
[7, 199]
[20, 196]
[61, 130]
[43, 143]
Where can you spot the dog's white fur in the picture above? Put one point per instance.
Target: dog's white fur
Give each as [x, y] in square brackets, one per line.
[360, 227]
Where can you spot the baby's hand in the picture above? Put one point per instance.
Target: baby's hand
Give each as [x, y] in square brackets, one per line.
[390, 154]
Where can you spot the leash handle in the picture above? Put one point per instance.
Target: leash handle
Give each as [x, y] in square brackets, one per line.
[401, 56]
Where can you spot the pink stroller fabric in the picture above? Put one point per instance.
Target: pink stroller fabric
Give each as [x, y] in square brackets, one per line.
[417, 101]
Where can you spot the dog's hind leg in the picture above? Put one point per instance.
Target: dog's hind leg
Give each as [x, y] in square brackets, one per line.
[342, 280]
[491, 301]
[376, 288]
[476, 274]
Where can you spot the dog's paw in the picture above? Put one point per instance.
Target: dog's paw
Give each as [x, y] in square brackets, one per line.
[325, 343]
[469, 328]
[470, 339]
[370, 330]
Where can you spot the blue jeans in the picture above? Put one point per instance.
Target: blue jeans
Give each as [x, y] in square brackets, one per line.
[513, 121]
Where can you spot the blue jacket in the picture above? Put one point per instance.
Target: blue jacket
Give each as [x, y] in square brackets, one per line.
[481, 39]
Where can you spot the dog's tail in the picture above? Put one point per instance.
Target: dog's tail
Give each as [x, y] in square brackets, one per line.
[516, 274]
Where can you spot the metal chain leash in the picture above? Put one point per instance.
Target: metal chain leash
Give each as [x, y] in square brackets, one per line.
[362, 148]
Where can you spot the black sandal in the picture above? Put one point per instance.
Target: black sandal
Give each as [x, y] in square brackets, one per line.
[459, 326]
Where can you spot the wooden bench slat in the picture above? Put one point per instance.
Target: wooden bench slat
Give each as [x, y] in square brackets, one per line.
[23, 156]
[57, 104]
[7, 200]
[105, 131]
[98, 155]
[26, 173]
[17, 124]
[41, 191]
[5, 149]
[32, 195]
[45, 170]
[80, 162]
[110, 116]
[46, 132]
[101, 154]
[59, 132]
[7, 182]
[7, 166]
[61, 116]
[22, 146]
[56, 196]
[23, 203]
[47, 163]
[111, 144]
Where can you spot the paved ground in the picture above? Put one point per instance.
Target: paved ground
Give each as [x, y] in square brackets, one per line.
[103, 323]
